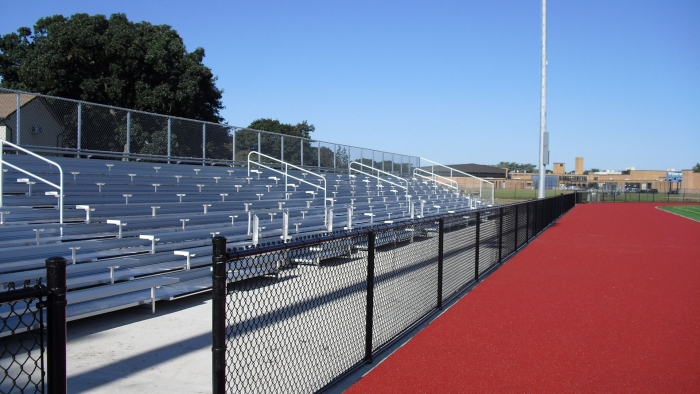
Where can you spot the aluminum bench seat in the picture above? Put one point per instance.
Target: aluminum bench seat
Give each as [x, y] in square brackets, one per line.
[389, 237]
[36, 258]
[73, 272]
[123, 295]
[314, 255]
[190, 282]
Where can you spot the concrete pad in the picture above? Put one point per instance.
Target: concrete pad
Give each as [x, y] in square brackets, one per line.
[134, 351]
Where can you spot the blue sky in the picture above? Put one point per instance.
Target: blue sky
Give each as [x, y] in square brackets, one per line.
[451, 81]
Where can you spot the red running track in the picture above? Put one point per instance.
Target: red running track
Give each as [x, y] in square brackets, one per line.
[607, 300]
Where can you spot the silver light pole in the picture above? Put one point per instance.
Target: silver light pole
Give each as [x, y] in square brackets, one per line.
[543, 101]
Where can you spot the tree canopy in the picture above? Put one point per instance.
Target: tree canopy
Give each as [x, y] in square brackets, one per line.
[696, 168]
[519, 167]
[111, 61]
[302, 129]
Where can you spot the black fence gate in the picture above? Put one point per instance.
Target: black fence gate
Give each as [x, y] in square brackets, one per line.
[299, 316]
[33, 335]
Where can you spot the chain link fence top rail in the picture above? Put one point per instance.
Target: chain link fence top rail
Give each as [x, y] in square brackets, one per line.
[22, 340]
[301, 314]
[57, 125]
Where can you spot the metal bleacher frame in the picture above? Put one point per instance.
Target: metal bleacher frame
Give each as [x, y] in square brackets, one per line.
[453, 170]
[135, 232]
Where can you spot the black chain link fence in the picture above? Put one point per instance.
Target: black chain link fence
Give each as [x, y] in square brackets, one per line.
[22, 340]
[33, 334]
[298, 316]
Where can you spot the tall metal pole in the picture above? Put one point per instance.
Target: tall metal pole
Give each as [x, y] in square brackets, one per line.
[543, 100]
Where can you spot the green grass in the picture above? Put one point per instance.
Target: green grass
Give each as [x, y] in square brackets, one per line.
[689, 211]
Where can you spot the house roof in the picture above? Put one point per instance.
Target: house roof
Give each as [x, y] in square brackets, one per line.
[8, 103]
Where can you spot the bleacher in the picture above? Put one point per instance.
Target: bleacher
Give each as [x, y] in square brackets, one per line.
[139, 232]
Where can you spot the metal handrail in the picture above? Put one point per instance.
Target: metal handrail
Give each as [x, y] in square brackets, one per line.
[464, 173]
[433, 178]
[350, 169]
[60, 170]
[286, 174]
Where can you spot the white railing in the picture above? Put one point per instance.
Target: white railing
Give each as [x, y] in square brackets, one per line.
[377, 177]
[452, 184]
[287, 166]
[454, 171]
[19, 148]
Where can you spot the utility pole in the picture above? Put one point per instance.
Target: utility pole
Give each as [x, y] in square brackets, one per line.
[543, 102]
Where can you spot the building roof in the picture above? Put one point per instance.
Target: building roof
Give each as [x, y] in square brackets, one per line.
[478, 170]
[471, 167]
[8, 103]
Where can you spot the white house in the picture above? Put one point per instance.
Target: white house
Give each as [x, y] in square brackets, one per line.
[38, 123]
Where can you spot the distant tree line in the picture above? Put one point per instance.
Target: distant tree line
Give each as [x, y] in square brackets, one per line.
[516, 167]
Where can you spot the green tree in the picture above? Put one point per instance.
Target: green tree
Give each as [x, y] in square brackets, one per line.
[111, 61]
[696, 168]
[302, 129]
[119, 63]
[296, 139]
[519, 167]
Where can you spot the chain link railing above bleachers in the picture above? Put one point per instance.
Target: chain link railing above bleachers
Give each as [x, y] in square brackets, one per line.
[56, 125]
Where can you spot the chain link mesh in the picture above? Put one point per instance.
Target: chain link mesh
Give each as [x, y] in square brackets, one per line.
[458, 253]
[405, 278]
[22, 341]
[522, 225]
[57, 123]
[302, 323]
[299, 315]
[488, 239]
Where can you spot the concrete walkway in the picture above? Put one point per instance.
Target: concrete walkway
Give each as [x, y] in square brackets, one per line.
[133, 351]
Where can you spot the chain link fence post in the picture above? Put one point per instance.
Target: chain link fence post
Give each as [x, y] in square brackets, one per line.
[218, 332]
[516, 228]
[17, 121]
[500, 235]
[56, 320]
[441, 248]
[170, 141]
[282, 147]
[369, 321]
[476, 246]
[128, 134]
[80, 127]
[527, 222]
[233, 145]
[204, 142]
